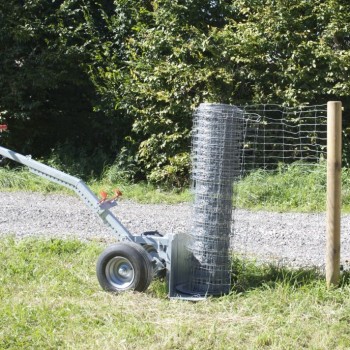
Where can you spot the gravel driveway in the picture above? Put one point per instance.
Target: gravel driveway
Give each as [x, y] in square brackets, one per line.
[290, 238]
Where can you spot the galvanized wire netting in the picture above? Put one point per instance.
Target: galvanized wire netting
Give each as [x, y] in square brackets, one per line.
[275, 135]
[282, 169]
[229, 143]
[216, 144]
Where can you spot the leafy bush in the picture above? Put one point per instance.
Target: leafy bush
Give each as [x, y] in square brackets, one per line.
[173, 175]
[106, 75]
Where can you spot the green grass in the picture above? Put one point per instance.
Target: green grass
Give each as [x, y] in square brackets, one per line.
[23, 180]
[143, 193]
[294, 187]
[50, 299]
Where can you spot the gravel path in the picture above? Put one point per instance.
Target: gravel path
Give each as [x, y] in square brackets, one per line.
[292, 238]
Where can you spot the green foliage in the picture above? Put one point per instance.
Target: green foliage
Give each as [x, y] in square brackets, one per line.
[172, 66]
[174, 174]
[294, 187]
[178, 56]
[78, 161]
[128, 74]
[290, 50]
[46, 95]
[22, 180]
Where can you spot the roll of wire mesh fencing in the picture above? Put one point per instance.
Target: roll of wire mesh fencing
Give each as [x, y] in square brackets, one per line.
[216, 145]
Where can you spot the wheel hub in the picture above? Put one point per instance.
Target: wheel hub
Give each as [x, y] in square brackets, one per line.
[125, 271]
[120, 272]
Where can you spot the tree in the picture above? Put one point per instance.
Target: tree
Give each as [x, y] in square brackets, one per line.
[46, 94]
[171, 63]
[127, 75]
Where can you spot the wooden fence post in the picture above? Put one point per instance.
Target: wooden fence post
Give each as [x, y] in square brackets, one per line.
[334, 161]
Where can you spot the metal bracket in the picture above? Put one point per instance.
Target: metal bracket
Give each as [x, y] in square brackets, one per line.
[178, 271]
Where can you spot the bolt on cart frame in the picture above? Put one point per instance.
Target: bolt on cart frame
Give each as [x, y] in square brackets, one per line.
[132, 263]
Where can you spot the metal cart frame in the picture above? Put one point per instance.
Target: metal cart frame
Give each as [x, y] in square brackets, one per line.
[132, 263]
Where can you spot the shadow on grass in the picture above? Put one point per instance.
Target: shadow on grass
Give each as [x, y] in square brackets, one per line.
[248, 275]
[345, 278]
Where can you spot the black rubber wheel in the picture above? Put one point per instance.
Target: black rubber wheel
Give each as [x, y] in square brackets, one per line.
[124, 266]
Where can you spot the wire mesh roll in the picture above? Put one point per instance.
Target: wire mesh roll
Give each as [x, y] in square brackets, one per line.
[216, 145]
